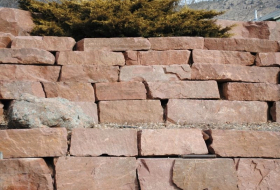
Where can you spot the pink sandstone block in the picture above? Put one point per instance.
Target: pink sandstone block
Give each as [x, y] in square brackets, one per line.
[6, 40]
[131, 57]
[268, 59]
[90, 109]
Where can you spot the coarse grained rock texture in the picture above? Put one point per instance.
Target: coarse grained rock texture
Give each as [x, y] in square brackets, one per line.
[258, 173]
[268, 59]
[236, 73]
[24, 143]
[251, 91]
[275, 111]
[205, 174]
[176, 43]
[96, 173]
[222, 57]
[171, 142]
[6, 40]
[2, 116]
[96, 142]
[113, 44]
[89, 73]
[216, 111]
[95, 57]
[227, 143]
[130, 111]
[25, 173]
[90, 109]
[120, 91]
[32, 112]
[184, 90]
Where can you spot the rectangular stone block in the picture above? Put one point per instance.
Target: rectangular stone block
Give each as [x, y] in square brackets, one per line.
[223, 57]
[28, 143]
[228, 143]
[6, 40]
[89, 73]
[176, 43]
[89, 108]
[251, 91]
[96, 173]
[268, 59]
[95, 57]
[275, 111]
[216, 111]
[236, 73]
[184, 90]
[120, 91]
[131, 57]
[113, 44]
[160, 142]
[131, 111]
[96, 142]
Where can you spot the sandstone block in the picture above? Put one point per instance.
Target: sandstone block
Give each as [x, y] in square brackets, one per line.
[131, 111]
[216, 111]
[223, 57]
[268, 59]
[89, 73]
[235, 73]
[120, 91]
[90, 109]
[227, 143]
[96, 173]
[113, 44]
[25, 173]
[30, 143]
[131, 57]
[26, 56]
[73, 91]
[275, 111]
[6, 40]
[96, 142]
[172, 142]
[176, 43]
[251, 91]
[96, 57]
[184, 89]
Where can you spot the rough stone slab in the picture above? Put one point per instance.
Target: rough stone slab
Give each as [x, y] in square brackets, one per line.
[28, 143]
[90, 109]
[89, 73]
[237, 44]
[216, 111]
[223, 57]
[131, 57]
[26, 56]
[221, 72]
[96, 57]
[161, 142]
[131, 111]
[113, 44]
[275, 111]
[268, 59]
[120, 91]
[258, 173]
[184, 89]
[228, 143]
[6, 40]
[96, 142]
[251, 91]
[176, 43]
[96, 173]
[205, 174]
[73, 91]
[25, 173]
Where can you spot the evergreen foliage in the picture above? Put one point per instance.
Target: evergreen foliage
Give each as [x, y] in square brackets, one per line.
[121, 18]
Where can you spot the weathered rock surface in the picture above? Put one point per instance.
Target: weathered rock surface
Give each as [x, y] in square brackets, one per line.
[89, 73]
[28, 173]
[216, 111]
[251, 91]
[131, 58]
[96, 142]
[222, 57]
[24, 143]
[26, 56]
[2, 117]
[227, 143]
[96, 173]
[73, 91]
[113, 44]
[275, 111]
[6, 40]
[33, 112]
[258, 173]
[221, 72]
[96, 57]
[120, 91]
[183, 72]
[172, 142]
[89, 108]
[184, 89]
[205, 174]
[131, 111]
[176, 43]
[268, 59]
